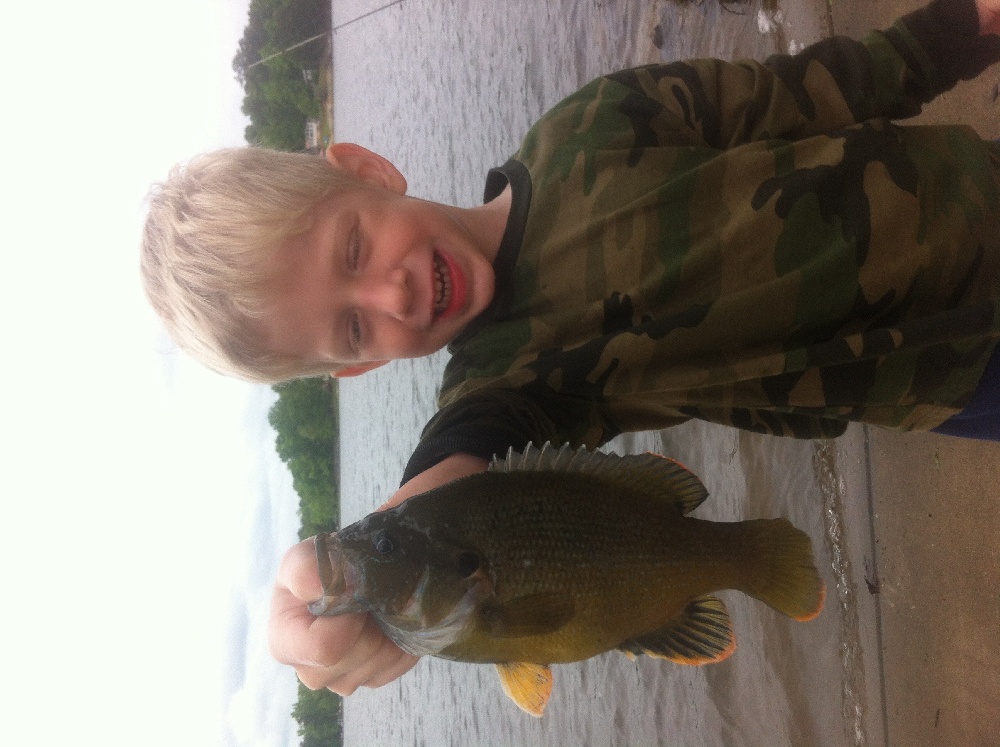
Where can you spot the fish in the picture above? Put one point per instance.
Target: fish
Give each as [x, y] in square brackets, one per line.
[555, 555]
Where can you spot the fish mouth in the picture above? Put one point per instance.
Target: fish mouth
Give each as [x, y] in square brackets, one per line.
[336, 575]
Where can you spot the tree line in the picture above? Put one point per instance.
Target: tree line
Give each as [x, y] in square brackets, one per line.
[278, 97]
[305, 419]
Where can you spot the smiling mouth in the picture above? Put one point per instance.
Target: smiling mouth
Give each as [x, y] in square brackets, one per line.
[442, 286]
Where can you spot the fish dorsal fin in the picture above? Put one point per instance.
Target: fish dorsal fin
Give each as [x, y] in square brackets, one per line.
[528, 685]
[701, 634]
[648, 472]
[532, 614]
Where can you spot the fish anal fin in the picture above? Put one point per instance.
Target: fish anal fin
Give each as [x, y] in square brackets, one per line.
[532, 614]
[701, 634]
[528, 685]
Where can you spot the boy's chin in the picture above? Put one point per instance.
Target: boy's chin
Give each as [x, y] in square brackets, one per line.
[357, 369]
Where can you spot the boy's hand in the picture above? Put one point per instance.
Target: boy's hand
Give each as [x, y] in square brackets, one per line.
[989, 16]
[345, 652]
[340, 653]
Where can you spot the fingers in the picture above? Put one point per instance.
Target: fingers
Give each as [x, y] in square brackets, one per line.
[373, 661]
[299, 573]
[299, 638]
[341, 653]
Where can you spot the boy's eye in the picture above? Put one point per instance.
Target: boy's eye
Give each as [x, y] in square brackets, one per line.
[354, 332]
[354, 251]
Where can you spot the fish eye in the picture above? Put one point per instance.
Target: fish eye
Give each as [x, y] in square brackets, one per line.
[468, 563]
[383, 543]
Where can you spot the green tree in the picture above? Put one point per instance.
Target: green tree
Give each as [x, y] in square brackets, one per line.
[320, 717]
[277, 98]
[305, 420]
[303, 414]
[254, 37]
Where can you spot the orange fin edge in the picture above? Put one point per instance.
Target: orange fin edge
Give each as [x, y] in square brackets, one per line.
[528, 685]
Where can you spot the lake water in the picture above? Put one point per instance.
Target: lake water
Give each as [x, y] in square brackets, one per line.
[446, 90]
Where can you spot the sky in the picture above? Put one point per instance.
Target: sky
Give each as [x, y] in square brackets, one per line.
[144, 510]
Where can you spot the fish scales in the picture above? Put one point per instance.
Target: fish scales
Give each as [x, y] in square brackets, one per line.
[605, 549]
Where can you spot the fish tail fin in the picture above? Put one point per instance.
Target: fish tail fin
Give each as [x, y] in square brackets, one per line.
[786, 577]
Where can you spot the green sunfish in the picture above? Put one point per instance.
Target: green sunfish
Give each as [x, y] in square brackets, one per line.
[557, 555]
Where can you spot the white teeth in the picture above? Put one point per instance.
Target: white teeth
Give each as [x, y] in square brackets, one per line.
[442, 286]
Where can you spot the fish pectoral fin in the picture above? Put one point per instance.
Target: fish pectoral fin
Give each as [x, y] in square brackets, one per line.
[532, 614]
[528, 685]
[701, 634]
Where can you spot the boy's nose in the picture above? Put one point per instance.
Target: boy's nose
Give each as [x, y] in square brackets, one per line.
[391, 294]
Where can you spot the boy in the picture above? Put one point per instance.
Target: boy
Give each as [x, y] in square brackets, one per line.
[754, 245]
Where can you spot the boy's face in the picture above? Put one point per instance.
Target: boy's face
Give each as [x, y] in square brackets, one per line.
[378, 276]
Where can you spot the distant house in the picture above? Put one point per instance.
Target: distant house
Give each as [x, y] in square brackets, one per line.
[313, 143]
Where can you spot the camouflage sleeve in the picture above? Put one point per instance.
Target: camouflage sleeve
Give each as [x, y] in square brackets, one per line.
[789, 424]
[947, 32]
[830, 85]
[491, 421]
[483, 423]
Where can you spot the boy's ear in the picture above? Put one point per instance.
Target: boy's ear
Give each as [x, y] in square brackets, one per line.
[357, 370]
[367, 166]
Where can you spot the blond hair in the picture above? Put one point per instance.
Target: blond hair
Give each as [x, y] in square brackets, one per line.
[213, 229]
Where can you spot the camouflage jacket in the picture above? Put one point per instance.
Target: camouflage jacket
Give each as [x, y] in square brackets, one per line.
[750, 244]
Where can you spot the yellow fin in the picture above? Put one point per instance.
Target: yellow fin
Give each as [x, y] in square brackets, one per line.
[786, 577]
[701, 634]
[528, 685]
[532, 614]
[652, 473]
